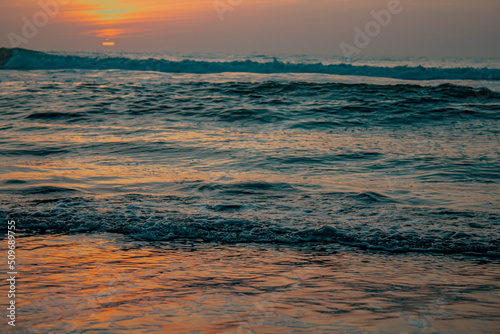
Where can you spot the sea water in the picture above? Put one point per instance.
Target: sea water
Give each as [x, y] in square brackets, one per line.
[252, 194]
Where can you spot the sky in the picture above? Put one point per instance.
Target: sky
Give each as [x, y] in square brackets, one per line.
[465, 28]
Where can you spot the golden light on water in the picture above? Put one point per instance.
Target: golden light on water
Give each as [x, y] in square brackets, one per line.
[108, 281]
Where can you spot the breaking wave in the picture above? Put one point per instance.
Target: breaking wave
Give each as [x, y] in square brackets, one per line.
[393, 229]
[22, 59]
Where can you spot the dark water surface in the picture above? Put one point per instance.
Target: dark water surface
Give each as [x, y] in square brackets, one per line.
[295, 167]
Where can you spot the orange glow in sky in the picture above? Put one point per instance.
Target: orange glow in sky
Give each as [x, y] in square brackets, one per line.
[119, 18]
[461, 28]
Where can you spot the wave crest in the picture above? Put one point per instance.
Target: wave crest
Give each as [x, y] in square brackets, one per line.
[22, 59]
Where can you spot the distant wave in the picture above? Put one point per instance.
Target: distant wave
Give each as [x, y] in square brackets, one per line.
[22, 59]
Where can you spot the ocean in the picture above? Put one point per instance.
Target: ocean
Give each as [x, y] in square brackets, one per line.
[202, 193]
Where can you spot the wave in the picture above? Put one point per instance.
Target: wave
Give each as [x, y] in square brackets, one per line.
[22, 59]
[75, 214]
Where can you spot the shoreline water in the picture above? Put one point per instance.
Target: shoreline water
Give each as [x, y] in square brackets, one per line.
[105, 282]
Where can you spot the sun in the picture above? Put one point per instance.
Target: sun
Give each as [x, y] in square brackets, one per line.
[108, 43]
